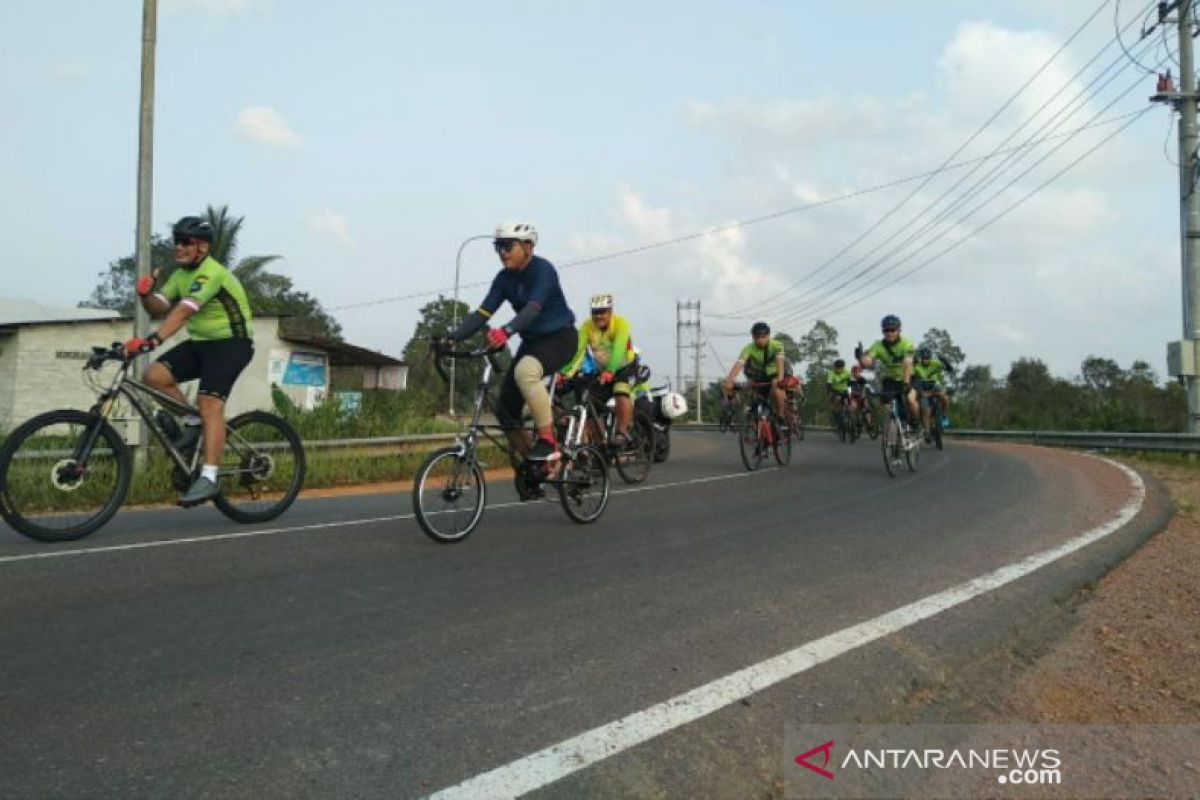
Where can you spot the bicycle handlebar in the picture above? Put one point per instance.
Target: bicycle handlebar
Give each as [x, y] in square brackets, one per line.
[102, 355]
[441, 354]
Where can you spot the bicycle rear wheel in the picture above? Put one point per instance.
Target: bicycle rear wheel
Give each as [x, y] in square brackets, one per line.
[892, 444]
[583, 485]
[262, 468]
[634, 459]
[50, 493]
[748, 442]
[782, 445]
[448, 495]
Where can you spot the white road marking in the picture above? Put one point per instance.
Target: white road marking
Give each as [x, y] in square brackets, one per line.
[560, 760]
[222, 537]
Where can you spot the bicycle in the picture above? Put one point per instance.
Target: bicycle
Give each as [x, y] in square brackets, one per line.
[862, 416]
[64, 473]
[761, 432]
[930, 406]
[794, 404]
[726, 420]
[449, 491]
[634, 458]
[843, 426]
[897, 443]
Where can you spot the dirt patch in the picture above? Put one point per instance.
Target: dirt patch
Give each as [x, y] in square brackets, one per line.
[1133, 656]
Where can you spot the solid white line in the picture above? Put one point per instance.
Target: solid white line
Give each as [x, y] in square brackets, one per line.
[558, 761]
[222, 537]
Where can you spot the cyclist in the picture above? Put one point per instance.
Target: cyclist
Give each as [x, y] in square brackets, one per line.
[548, 336]
[928, 371]
[893, 354]
[763, 362]
[209, 300]
[837, 383]
[605, 337]
[860, 394]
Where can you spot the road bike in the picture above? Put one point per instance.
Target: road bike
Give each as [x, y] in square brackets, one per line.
[899, 444]
[634, 457]
[862, 417]
[449, 491]
[931, 410]
[844, 427]
[64, 474]
[761, 434]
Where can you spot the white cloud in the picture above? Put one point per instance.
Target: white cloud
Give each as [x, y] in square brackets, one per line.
[70, 71]
[265, 124]
[332, 225]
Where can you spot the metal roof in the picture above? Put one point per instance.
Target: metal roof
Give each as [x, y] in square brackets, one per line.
[19, 311]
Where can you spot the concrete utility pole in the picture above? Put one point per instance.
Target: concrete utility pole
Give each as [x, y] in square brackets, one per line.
[145, 177]
[1182, 356]
[691, 323]
[454, 309]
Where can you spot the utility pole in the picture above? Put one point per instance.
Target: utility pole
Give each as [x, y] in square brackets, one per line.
[145, 193]
[1182, 356]
[691, 323]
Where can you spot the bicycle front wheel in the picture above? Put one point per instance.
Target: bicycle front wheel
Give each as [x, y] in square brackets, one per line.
[782, 445]
[891, 443]
[634, 460]
[583, 486]
[262, 468]
[448, 495]
[63, 474]
[748, 442]
[912, 452]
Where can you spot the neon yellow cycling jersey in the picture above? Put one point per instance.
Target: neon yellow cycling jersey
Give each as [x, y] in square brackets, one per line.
[838, 379]
[890, 360]
[611, 349]
[217, 297]
[760, 361]
[929, 372]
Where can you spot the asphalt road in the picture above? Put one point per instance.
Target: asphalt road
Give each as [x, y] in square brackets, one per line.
[339, 652]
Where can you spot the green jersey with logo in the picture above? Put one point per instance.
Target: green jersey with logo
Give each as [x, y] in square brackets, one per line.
[217, 296]
[838, 379]
[931, 372]
[760, 361]
[890, 360]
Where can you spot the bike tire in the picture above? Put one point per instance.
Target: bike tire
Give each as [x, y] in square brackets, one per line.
[268, 478]
[782, 446]
[912, 454]
[584, 485]
[18, 479]
[937, 434]
[635, 459]
[891, 444]
[662, 444]
[446, 475]
[748, 443]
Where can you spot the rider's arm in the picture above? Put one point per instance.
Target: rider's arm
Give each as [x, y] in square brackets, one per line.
[472, 322]
[175, 320]
[573, 365]
[155, 304]
[735, 370]
[779, 373]
[908, 369]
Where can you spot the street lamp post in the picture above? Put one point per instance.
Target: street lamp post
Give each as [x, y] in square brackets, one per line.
[454, 310]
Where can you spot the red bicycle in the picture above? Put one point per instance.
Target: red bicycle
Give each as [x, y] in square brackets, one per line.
[762, 434]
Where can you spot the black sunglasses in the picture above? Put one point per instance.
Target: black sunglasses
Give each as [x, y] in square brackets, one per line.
[185, 241]
[890, 330]
[504, 245]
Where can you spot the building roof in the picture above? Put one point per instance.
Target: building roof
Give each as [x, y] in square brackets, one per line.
[342, 354]
[19, 311]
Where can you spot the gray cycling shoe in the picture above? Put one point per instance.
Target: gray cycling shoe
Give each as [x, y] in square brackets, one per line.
[201, 491]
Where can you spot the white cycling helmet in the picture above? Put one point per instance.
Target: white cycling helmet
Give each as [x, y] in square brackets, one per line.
[674, 405]
[602, 302]
[523, 231]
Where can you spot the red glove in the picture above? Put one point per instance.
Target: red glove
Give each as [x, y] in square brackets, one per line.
[497, 338]
[559, 379]
[138, 345]
[145, 285]
[606, 377]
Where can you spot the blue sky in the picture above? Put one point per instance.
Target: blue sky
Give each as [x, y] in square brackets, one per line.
[364, 141]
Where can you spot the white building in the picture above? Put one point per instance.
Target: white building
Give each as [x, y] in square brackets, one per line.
[43, 349]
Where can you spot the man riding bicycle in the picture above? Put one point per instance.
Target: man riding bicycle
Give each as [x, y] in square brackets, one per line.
[604, 336]
[893, 357]
[209, 299]
[837, 384]
[861, 395]
[548, 337]
[762, 361]
[928, 372]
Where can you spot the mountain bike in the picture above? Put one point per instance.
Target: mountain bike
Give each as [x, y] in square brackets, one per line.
[632, 459]
[449, 491]
[761, 434]
[898, 444]
[64, 474]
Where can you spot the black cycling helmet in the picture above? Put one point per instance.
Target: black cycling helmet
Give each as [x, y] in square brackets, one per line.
[193, 227]
[890, 321]
[840, 363]
[759, 328]
[924, 354]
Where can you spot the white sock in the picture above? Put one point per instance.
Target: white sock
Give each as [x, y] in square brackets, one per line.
[192, 419]
[209, 471]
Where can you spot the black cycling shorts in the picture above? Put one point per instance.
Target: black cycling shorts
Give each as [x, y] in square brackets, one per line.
[217, 363]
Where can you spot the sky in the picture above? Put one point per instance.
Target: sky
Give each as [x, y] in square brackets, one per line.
[365, 141]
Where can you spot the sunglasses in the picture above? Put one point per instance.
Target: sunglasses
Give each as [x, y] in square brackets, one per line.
[504, 245]
[185, 241]
[890, 330]
[600, 312]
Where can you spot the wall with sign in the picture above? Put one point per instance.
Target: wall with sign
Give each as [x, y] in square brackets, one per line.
[302, 375]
